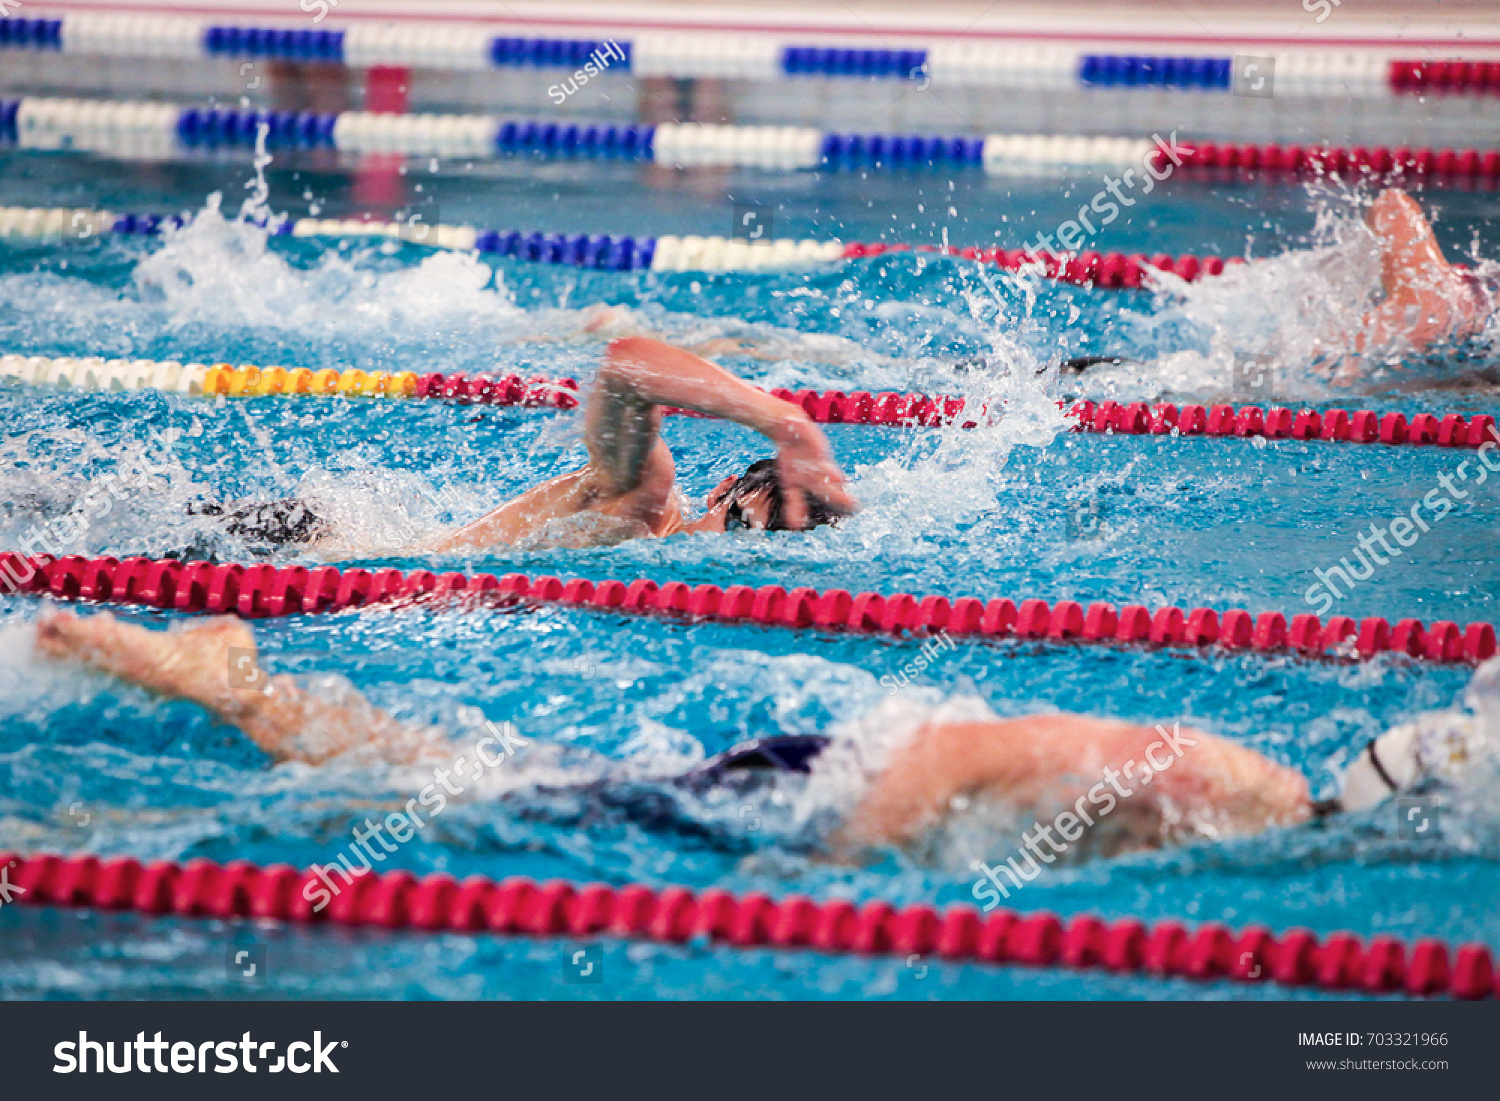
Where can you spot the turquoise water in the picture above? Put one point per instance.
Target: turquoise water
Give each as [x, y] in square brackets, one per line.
[992, 512]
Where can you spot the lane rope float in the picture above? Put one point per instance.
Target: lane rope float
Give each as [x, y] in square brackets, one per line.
[606, 252]
[619, 252]
[824, 407]
[154, 130]
[1359, 72]
[263, 590]
[518, 906]
[210, 380]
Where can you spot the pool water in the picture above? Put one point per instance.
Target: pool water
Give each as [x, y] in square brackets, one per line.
[990, 512]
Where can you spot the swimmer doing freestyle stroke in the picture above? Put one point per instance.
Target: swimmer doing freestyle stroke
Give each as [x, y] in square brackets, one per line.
[938, 763]
[628, 487]
[1424, 300]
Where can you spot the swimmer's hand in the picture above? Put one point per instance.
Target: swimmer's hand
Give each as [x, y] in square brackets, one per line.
[806, 467]
[612, 321]
[190, 664]
[212, 662]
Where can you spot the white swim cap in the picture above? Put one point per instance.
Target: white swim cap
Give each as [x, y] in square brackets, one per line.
[1384, 767]
[1439, 745]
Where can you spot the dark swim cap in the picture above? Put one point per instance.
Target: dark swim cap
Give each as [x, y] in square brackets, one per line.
[763, 474]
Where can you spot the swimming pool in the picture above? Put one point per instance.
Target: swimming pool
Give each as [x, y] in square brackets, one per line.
[987, 512]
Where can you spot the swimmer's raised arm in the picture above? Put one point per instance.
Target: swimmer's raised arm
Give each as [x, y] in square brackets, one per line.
[1409, 248]
[194, 664]
[1425, 299]
[630, 476]
[640, 375]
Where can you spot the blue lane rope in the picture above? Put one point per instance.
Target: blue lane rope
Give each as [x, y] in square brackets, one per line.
[1132, 70]
[824, 61]
[233, 41]
[287, 45]
[36, 34]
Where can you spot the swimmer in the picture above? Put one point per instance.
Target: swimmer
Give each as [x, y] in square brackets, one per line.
[1424, 299]
[271, 523]
[1200, 785]
[628, 487]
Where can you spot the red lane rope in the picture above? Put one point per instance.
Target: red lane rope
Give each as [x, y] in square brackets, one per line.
[263, 590]
[1088, 269]
[1455, 75]
[674, 915]
[1402, 164]
[1134, 418]
[1279, 423]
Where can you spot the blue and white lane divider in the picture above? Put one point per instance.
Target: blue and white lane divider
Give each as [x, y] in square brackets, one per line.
[1027, 65]
[598, 252]
[159, 130]
[1137, 71]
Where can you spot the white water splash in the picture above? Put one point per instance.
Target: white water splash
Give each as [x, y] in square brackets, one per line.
[68, 511]
[221, 272]
[256, 207]
[924, 488]
[375, 512]
[1273, 328]
[1280, 314]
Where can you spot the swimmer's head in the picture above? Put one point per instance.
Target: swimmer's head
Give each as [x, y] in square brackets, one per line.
[287, 522]
[1385, 766]
[1438, 747]
[753, 500]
